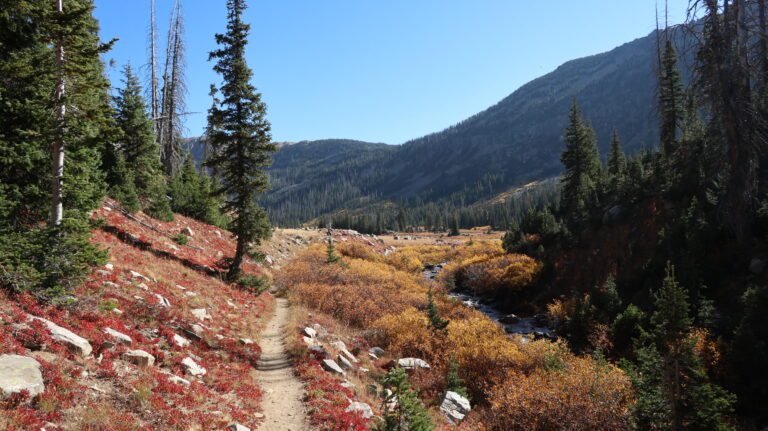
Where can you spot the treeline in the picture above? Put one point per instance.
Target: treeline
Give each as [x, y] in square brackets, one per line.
[679, 300]
[445, 216]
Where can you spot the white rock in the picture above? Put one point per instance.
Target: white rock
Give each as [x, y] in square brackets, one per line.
[350, 356]
[179, 381]
[74, 342]
[232, 304]
[180, 287]
[191, 294]
[309, 332]
[143, 286]
[188, 232]
[345, 363]
[455, 407]
[412, 363]
[237, 427]
[139, 357]
[192, 367]
[309, 341]
[163, 302]
[197, 329]
[135, 274]
[378, 351]
[201, 313]
[363, 408]
[347, 384]
[18, 373]
[246, 341]
[109, 267]
[119, 336]
[180, 341]
[110, 284]
[332, 366]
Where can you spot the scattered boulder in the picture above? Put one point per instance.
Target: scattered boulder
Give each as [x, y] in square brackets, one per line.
[180, 341]
[373, 356]
[19, 373]
[322, 332]
[412, 363]
[119, 336]
[109, 267]
[237, 427]
[246, 341]
[363, 408]
[309, 332]
[339, 345]
[320, 350]
[75, 343]
[194, 332]
[378, 351]
[509, 319]
[345, 363]
[103, 273]
[331, 366]
[135, 274]
[139, 357]
[347, 384]
[179, 381]
[192, 367]
[187, 231]
[455, 407]
[757, 266]
[201, 313]
[349, 356]
[163, 302]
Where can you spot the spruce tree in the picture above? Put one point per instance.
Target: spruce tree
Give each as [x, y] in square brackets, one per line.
[408, 412]
[436, 322]
[617, 165]
[673, 389]
[139, 149]
[671, 99]
[582, 169]
[239, 135]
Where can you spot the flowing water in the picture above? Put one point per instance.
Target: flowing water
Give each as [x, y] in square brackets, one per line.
[533, 326]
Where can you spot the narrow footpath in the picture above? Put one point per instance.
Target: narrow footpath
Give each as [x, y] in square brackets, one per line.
[283, 392]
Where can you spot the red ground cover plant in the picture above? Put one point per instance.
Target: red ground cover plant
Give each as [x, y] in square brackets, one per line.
[105, 392]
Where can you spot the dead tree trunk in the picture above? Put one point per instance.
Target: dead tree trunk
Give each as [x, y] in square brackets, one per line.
[57, 168]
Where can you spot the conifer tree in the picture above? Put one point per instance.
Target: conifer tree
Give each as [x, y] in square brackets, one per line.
[436, 322]
[671, 99]
[617, 165]
[239, 135]
[190, 192]
[673, 389]
[582, 169]
[408, 412]
[139, 149]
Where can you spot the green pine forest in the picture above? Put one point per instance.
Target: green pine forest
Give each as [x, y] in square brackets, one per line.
[654, 231]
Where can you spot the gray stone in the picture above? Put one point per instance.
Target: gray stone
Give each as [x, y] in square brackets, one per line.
[322, 332]
[246, 341]
[119, 336]
[345, 363]
[188, 232]
[412, 363]
[163, 302]
[378, 351]
[180, 341]
[75, 343]
[455, 407]
[201, 313]
[331, 366]
[509, 319]
[193, 368]
[347, 384]
[18, 373]
[179, 381]
[237, 427]
[339, 345]
[135, 274]
[756, 266]
[309, 332]
[139, 357]
[363, 408]
[350, 356]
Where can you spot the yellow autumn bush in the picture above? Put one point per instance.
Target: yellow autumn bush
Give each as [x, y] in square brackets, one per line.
[490, 274]
[579, 394]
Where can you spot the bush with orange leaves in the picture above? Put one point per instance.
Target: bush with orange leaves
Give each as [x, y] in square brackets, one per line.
[573, 393]
[495, 274]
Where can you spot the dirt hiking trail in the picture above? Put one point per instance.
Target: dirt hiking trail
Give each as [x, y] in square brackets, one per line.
[283, 392]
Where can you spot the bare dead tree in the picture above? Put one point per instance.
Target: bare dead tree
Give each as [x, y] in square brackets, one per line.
[154, 99]
[57, 168]
[173, 93]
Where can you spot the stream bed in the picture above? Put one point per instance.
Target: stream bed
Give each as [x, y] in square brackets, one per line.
[531, 327]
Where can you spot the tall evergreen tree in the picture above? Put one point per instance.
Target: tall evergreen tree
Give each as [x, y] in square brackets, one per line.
[671, 99]
[239, 135]
[139, 149]
[673, 389]
[53, 258]
[581, 160]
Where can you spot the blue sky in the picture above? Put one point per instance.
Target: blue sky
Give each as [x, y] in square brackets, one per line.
[383, 71]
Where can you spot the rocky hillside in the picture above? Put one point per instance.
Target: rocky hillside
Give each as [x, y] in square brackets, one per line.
[154, 340]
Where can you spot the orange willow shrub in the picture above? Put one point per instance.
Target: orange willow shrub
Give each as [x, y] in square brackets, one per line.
[356, 292]
[491, 273]
[579, 395]
[407, 333]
